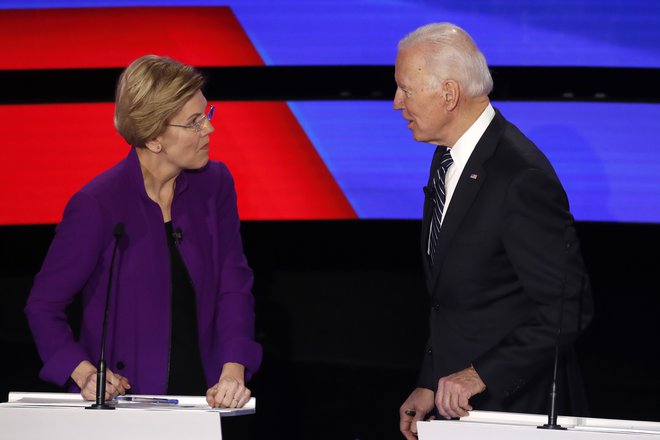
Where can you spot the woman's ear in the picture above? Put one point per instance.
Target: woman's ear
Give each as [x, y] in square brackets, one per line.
[154, 146]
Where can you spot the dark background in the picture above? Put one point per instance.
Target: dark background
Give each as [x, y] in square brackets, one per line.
[341, 314]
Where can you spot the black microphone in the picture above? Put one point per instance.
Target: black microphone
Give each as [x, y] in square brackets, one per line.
[101, 367]
[429, 191]
[552, 411]
[178, 235]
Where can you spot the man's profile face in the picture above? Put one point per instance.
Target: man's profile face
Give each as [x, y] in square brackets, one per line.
[422, 106]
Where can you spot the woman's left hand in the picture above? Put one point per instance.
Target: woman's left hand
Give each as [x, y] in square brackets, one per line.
[230, 391]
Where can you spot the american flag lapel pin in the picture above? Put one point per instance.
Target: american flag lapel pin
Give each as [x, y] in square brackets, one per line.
[473, 176]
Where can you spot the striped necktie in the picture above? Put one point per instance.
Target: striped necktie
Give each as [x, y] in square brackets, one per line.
[439, 200]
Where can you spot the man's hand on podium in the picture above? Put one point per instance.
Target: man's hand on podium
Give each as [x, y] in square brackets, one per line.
[84, 376]
[414, 409]
[455, 390]
[230, 391]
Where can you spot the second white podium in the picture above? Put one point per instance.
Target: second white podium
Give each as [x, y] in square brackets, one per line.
[488, 425]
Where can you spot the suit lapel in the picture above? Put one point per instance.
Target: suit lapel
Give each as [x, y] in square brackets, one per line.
[467, 188]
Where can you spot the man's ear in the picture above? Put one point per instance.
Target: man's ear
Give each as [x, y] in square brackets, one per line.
[451, 92]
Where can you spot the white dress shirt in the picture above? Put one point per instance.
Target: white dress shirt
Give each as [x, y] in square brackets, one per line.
[462, 150]
[460, 153]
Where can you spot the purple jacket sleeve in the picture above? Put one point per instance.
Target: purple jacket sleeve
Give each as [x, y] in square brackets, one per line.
[235, 302]
[71, 259]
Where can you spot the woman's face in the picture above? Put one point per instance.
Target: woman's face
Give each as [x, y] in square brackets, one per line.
[182, 146]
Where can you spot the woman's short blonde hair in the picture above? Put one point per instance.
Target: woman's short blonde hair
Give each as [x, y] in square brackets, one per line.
[150, 91]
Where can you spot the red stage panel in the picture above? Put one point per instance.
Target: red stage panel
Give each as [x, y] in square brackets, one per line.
[52, 150]
[279, 174]
[113, 37]
[49, 152]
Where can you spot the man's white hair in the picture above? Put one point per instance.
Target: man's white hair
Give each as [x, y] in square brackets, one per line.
[451, 53]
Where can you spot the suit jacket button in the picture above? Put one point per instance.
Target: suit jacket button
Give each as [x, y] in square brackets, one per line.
[430, 351]
[120, 365]
[436, 307]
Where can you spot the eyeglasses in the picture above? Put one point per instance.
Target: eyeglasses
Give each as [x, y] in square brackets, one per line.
[198, 124]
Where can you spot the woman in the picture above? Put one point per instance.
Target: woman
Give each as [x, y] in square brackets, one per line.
[181, 309]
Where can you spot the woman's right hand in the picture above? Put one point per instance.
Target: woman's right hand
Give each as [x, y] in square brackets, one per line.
[85, 377]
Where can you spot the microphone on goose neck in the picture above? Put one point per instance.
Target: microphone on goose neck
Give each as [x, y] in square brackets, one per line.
[100, 403]
[552, 411]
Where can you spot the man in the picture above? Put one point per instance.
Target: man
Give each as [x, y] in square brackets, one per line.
[501, 258]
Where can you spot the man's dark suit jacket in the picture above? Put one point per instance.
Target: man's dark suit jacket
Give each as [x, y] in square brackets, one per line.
[508, 261]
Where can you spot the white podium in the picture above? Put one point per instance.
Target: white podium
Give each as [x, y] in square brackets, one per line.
[53, 416]
[510, 426]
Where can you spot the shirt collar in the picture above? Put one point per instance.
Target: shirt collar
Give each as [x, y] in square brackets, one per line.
[465, 145]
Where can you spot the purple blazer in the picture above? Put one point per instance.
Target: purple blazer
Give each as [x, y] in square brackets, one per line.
[138, 341]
